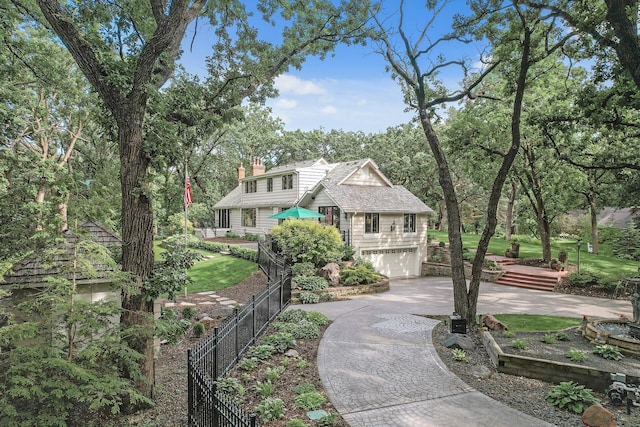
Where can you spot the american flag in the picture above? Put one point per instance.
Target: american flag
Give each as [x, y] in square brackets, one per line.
[188, 197]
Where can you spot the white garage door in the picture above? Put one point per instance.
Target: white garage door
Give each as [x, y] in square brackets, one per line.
[397, 262]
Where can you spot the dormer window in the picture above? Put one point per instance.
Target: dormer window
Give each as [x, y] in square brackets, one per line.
[250, 186]
[287, 182]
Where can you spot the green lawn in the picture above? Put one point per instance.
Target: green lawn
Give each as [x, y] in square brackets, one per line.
[536, 323]
[607, 265]
[215, 273]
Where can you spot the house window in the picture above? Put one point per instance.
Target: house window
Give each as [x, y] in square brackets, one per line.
[409, 223]
[250, 186]
[371, 223]
[287, 182]
[269, 185]
[249, 217]
[332, 215]
[224, 218]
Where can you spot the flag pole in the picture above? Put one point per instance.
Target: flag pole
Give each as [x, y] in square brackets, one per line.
[187, 191]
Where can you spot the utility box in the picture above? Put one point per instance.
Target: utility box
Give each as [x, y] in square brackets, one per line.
[458, 324]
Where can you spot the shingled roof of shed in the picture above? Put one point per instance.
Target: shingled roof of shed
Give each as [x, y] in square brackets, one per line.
[34, 269]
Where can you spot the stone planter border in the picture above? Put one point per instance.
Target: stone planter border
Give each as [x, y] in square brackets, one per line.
[344, 292]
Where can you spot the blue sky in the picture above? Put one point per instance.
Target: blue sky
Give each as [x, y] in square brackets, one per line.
[348, 91]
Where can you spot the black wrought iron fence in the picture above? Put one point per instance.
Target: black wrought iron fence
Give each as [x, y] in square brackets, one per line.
[215, 355]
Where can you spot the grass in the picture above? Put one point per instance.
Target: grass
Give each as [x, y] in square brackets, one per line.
[215, 273]
[530, 248]
[536, 323]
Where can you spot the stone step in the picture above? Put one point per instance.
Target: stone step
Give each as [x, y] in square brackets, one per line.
[529, 281]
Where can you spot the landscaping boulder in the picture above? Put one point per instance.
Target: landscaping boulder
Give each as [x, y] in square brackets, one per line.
[493, 324]
[331, 272]
[598, 416]
[461, 341]
[208, 322]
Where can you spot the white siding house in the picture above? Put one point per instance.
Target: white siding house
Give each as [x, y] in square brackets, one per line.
[382, 222]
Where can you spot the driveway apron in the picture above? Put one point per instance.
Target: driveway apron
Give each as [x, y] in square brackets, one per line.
[379, 367]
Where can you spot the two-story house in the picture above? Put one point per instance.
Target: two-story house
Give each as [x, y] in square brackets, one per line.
[382, 222]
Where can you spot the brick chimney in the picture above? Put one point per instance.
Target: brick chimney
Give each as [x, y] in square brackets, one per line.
[240, 174]
[257, 168]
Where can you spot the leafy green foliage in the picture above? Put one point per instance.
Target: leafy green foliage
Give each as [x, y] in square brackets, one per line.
[294, 315]
[328, 420]
[269, 409]
[459, 354]
[280, 341]
[232, 387]
[608, 351]
[169, 327]
[364, 262]
[170, 275]
[303, 269]
[198, 329]
[189, 312]
[309, 401]
[358, 275]
[307, 297]
[273, 373]
[296, 422]
[248, 364]
[302, 330]
[265, 389]
[508, 334]
[549, 339]
[308, 241]
[519, 344]
[563, 336]
[572, 396]
[304, 388]
[262, 352]
[576, 355]
[628, 245]
[319, 319]
[310, 283]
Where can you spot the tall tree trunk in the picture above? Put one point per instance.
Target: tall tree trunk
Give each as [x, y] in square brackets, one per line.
[461, 304]
[511, 202]
[137, 243]
[595, 233]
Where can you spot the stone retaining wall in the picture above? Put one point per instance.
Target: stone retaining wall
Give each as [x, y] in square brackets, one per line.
[343, 292]
[438, 269]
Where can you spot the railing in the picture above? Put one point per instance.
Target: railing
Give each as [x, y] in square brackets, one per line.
[222, 349]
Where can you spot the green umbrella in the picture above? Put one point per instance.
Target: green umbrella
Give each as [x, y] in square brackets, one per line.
[297, 212]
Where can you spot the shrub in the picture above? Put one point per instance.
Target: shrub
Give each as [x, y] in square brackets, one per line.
[307, 297]
[304, 388]
[280, 341]
[310, 283]
[232, 387]
[347, 253]
[169, 327]
[189, 312]
[442, 244]
[571, 396]
[352, 276]
[363, 262]
[309, 401]
[304, 330]
[303, 269]
[244, 253]
[576, 355]
[519, 344]
[608, 351]
[269, 409]
[232, 235]
[549, 339]
[293, 316]
[317, 318]
[328, 420]
[628, 245]
[198, 329]
[563, 336]
[248, 364]
[585, 278]
[508, 334]
[262, 352]
[252, 237]
[309, 241]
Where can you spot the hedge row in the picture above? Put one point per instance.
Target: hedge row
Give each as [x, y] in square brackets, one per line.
[234, 250]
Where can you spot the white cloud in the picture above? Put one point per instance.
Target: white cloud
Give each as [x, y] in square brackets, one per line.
[286, 103]
[329, 109]
[289, 84]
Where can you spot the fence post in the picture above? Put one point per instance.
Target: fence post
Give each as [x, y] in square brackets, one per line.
[237, 327]
[215, 354]
[253, 315]
[190, 388]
